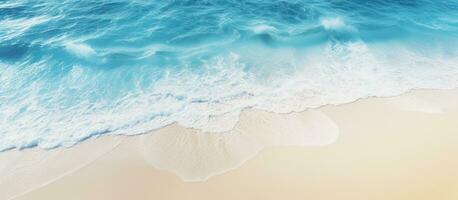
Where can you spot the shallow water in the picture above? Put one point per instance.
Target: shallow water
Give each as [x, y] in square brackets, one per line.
[70, 69]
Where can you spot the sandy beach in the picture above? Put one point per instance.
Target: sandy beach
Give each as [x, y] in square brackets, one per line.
[228, 100]
[400, 148]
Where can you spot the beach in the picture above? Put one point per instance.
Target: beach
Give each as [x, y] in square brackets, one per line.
[198, 99]
[377, 148]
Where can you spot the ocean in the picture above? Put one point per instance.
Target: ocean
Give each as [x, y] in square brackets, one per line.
[74, 69]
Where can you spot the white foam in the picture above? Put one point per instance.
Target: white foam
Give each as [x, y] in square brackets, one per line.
[277, 80]
[80, 49]
[263, 28]
[11, 28]
[335, 23]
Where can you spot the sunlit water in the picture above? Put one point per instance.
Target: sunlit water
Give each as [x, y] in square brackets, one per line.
[72, 69]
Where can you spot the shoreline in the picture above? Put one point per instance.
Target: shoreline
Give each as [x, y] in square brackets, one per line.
[418, 101]
[97, 136]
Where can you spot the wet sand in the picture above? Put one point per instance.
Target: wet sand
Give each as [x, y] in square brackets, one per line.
[387, 148]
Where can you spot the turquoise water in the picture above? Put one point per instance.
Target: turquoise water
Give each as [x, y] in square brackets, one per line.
[72, 69]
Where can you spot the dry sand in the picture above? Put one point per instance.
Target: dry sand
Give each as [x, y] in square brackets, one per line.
[397, 148]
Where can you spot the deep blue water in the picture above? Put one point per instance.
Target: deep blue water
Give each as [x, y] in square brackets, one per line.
[72, 69]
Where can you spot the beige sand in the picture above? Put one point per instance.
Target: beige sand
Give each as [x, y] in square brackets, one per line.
[398, 148]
